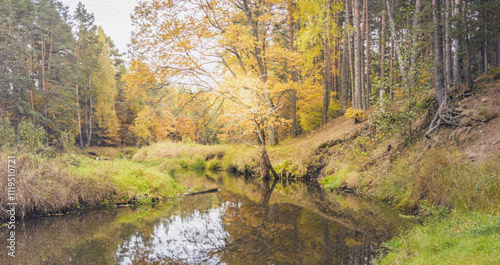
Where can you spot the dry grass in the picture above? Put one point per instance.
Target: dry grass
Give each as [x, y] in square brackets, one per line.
[443, 179]
[171, 155]
[45, 186]
[110, 153]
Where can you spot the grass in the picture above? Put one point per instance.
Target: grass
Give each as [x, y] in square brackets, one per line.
[62, 183]
[199, 157]
[334, 181]
[131, 179]
[444, 179]
[462, 238]
[45, 185]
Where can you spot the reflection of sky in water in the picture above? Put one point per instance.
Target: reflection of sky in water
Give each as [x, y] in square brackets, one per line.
[210, 229]
[194, 239]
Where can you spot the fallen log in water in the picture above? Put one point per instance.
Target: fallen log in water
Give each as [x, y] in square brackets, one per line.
[202, 192]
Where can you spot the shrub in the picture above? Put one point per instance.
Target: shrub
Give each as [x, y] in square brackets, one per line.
[356, 115]
[310, 118]
[68, 141]
[31, 136]
[7, 133]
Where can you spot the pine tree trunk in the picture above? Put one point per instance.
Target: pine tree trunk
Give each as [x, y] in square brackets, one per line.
[382, 58]
[44, 89]
[468, 74]
[456, 45]
[397, 48]
[416, 24]
[327, 70]
[486, 50]
[497, 54]
[343, 102]
[349, 48]
[448, 61]
[362, 56]
[368, 57]
[357, 57]
[438, 54]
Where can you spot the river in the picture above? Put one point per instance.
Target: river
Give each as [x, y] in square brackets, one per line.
[248, 221]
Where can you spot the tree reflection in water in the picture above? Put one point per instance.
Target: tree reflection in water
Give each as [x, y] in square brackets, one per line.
[248, 221]
[238, 231]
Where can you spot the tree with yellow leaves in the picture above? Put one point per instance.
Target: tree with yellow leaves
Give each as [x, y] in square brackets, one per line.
[221, 46]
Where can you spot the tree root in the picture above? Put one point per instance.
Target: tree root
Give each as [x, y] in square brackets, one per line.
[444, 116]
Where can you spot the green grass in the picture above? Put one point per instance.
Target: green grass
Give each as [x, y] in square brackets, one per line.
[131, 179]
[461, 238]
[198, 164]
[334, 181]
[214, 164]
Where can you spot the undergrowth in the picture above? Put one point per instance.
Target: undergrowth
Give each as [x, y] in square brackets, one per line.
[445, 180]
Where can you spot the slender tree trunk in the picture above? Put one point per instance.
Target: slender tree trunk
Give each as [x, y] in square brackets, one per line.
[78, 95]
[351, 70]
[327, 70]
[362, 56]
[368, 55]
[293, 94]
[486, 50]
[357, 57]
[349, 48]
[447, 40]
[44, 89]
[382, 58]
[456, 45]
[343, 102]
[31, 66]
[391, 68]
[397, 47]
[438, 54]
[78, 115]
[89, 134]
[416, 25]
[497, 54]
[468, 74]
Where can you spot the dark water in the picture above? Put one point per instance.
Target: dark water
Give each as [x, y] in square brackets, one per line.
[246, 222]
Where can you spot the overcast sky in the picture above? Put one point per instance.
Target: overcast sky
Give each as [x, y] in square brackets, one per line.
[112, 15]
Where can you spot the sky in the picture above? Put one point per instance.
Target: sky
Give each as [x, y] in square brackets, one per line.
[112, 15]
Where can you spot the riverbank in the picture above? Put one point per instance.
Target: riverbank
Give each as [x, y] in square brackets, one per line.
[61, 183]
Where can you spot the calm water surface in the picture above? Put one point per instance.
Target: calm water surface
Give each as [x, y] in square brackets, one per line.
[248, 221]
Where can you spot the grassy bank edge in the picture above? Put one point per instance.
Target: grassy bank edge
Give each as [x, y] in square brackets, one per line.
[458, 238]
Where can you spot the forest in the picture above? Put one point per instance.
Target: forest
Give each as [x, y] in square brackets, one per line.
[355, 94]
[219, 72]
